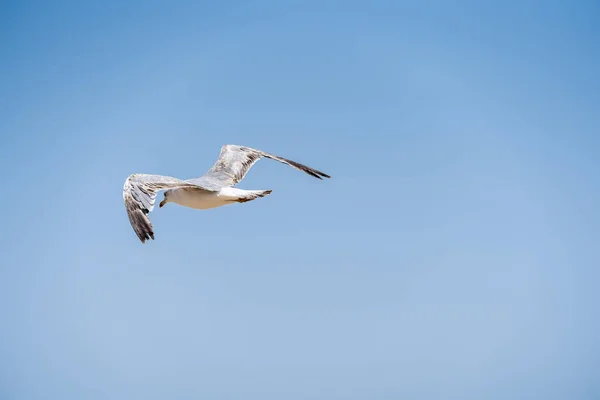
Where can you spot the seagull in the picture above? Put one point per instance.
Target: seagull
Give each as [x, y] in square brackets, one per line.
[211, 190]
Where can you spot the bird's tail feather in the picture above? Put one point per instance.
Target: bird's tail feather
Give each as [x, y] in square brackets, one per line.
[250, 195]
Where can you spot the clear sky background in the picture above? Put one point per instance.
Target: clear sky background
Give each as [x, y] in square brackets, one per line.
[453, 255]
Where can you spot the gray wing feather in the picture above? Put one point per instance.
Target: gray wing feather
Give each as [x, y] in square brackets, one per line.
[139, 195]
[234, 163]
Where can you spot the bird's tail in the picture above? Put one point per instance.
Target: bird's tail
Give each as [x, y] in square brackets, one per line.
[249, 195]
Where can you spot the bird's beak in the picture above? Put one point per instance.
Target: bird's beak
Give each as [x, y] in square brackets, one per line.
[162, 203]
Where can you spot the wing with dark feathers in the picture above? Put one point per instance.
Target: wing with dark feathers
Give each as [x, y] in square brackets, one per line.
[234, 163]
[139, 195]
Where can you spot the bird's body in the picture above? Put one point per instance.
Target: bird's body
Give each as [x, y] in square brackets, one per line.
[201, 199]
[211, 190]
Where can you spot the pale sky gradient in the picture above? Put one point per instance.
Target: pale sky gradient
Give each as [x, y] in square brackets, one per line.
[454, 254]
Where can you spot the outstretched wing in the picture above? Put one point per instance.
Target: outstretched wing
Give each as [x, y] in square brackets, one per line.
[139, 195]
[235, 161]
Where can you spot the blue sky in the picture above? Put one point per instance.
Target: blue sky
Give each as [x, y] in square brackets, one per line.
[452, 256]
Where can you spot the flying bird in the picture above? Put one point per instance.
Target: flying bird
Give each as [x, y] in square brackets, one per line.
[213, 189]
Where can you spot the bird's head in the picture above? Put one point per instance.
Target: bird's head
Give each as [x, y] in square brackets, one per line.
[165, 199]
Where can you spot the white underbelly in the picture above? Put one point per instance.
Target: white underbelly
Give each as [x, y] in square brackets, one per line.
[199, 199]
[203, 199]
